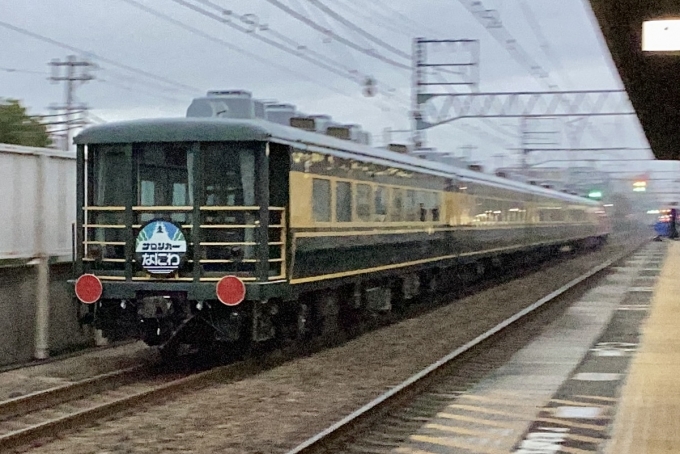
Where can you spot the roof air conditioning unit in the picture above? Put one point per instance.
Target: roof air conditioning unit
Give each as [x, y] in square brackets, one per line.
[348, 132]
[398, 147]
[226, 104]
[280, 113]
[306, 123]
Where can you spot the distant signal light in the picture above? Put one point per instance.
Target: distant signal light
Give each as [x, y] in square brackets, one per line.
[639, 186]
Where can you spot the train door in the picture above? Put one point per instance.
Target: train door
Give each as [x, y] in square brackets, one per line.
[279, 193]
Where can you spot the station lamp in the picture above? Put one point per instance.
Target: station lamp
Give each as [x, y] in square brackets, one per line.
[661, 35]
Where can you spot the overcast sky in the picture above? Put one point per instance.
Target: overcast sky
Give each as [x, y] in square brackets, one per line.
[180, 63]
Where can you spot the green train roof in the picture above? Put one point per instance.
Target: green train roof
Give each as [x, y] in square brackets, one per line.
[227, 129]
[174, 130]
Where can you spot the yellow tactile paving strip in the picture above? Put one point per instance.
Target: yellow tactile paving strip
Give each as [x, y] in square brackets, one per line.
[648, 417]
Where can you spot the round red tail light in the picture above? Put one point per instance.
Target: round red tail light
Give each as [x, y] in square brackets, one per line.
[88, 288]
[230, 290]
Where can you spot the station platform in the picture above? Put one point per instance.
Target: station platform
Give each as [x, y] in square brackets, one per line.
[603, 378]
[647, 419]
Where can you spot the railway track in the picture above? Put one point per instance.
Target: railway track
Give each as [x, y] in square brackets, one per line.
[46, 414]
[50, 412]
[383, 424]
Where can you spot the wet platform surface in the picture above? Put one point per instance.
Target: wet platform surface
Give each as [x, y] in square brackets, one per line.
[647, 420]
[560, 393]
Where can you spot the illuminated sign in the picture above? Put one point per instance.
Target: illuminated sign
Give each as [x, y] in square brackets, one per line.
[661, 35]
[160, 247]
[595, 194]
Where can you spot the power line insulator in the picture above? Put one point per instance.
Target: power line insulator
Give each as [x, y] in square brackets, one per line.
[370, 88]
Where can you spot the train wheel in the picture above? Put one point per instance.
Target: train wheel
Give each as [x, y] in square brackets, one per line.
[169, 352]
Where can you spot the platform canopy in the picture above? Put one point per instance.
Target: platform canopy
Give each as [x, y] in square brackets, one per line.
[651, 77]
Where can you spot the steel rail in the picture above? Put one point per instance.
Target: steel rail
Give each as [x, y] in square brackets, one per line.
[25, 405]
[382, 403]
[50, 397]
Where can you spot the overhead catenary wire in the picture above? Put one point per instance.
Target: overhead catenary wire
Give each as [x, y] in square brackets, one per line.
[94, 56]
[227, 44]
[509, 43]
[22, 71]
[543, 42]
[547, 50]
[378, 7]
[122, 86]
[96, 118]
[339, 48]
[348, 74]
[370, 52]
[296, 46]
[294, 52]
[359, 30]
[345, 53]
[376, 18]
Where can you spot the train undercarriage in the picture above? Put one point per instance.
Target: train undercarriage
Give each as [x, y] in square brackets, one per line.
[174, 323]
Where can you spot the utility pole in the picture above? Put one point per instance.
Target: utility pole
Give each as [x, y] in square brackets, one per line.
[524, 146]
[42, 253]
[426, 65]
[534, 138]
[76, 72]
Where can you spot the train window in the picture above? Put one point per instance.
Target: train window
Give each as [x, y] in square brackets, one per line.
[516, 212]
[397, 202]
[148, 193]
[504, 208]
[484, 210]
[364, 202]
[436, 201]
[165, 178]
[343, 201]
[321, 200]
[579, 215]
[381, 200]
[422, 208]
[108, 180]
[229, 174]
[410, 205]
[179, 194]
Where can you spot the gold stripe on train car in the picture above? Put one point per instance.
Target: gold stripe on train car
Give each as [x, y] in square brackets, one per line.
[322, 277]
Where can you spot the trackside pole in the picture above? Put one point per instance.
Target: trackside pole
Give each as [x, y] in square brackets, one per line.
[42, 314]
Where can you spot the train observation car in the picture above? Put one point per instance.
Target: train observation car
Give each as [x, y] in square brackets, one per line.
[211, 231]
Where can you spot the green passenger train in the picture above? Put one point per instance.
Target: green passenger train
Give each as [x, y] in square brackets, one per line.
[207, 231]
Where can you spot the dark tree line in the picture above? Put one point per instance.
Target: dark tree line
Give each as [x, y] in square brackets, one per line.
[17, 127]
